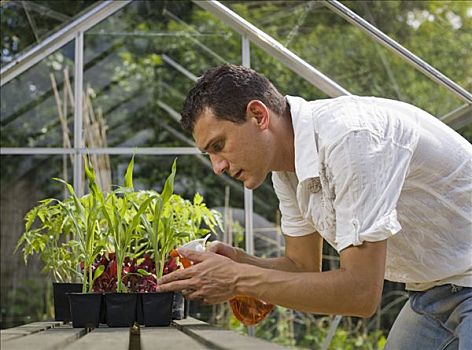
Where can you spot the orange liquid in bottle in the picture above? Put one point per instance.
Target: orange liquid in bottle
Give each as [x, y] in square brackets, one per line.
[247, 310]
[185, 262]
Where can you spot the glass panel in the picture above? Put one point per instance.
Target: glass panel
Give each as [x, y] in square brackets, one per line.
[24, 181]
[25, 23]
[37, 106]
[284, 79]
[140, 63]
[436, 31]
[347, 55]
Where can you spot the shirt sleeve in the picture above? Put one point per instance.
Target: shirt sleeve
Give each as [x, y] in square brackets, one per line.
[292, 222]
[367, 173]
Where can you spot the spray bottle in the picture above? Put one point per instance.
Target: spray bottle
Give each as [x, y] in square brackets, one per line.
[246, 309]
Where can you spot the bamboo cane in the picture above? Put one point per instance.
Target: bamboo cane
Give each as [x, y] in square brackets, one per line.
[94, 132]
[68, 86]
[62, 119]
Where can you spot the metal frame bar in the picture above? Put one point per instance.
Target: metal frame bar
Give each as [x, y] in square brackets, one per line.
[248, 194]
[196, 41]
[158, 151]
[31, 20]
[398, 49]
[59, 39]
[179, 67]
[78, 111]
[458, 117]
[43, 10]
[273, 48]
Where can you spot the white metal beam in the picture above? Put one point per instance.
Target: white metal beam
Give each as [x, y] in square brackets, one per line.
[157, 151]
[248, 194]
[78, 109]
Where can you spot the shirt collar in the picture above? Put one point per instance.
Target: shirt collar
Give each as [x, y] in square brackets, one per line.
[306, 152]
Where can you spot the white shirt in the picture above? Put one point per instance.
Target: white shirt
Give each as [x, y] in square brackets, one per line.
[369, 169]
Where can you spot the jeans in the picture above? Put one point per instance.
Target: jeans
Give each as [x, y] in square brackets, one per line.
[437, 319]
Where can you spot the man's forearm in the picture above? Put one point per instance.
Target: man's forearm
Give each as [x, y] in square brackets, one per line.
[331, 292]
[354, 289]
[301, 254]
[282, 263]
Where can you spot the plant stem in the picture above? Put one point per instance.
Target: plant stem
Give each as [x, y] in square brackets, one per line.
[84, 284]
[119, 268]
[90, 279]
[161, 266]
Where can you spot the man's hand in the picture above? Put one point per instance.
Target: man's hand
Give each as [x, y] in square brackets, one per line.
[212, 278]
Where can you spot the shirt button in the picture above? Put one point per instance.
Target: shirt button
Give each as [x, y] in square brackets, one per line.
[315, 185]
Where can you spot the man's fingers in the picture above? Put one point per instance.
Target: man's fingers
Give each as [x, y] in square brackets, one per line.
[214, 247]
[175, 286]
[175, 276]
[191, 294]
[193, 255]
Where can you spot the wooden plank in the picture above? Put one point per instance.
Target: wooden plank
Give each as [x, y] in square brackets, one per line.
[168, 338]
[219, 338]
[17, 332]
[41, 324]
[30, 328]
[6, 337]
[189, 321]
[21, 331]
[49, 339]
[102, 339]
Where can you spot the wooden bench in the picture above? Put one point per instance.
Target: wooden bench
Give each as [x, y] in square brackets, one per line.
[187, 334]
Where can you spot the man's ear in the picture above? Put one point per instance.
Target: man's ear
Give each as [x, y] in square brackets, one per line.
[258, 112]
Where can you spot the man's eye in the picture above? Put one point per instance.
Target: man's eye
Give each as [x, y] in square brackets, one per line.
[218, 147]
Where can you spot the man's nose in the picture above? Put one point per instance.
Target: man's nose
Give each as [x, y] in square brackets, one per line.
[219, 164]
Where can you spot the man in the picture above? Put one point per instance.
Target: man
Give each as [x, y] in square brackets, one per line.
[385, 183]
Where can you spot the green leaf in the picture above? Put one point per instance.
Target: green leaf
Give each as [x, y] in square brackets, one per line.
[90, 173]
[137, 216]
[129, 174]
[143, 272]
[77, 202]
[98, 272]
[30, 216]
[169, 185]
[197, 199]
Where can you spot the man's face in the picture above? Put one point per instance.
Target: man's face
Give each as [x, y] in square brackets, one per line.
[238, 149]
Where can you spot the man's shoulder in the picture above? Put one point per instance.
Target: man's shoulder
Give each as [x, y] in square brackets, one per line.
[336, 109]
[379, 116]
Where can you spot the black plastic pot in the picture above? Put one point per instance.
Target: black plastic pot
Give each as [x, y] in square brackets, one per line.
[120, 309]
[61, 301]
[156, 309]
[85, 309]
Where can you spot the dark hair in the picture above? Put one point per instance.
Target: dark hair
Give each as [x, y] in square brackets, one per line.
[227, 90]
